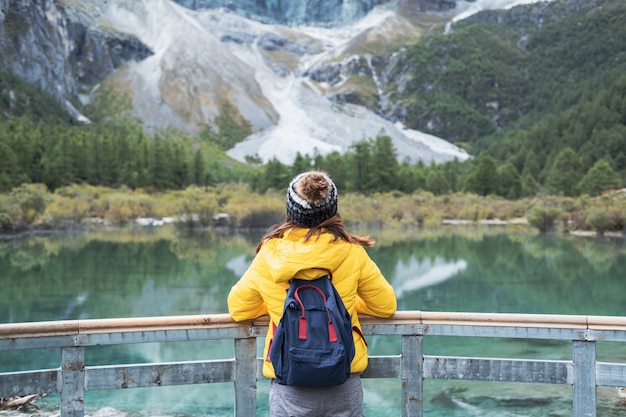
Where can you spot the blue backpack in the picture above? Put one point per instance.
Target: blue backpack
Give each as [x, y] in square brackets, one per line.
[313, 344]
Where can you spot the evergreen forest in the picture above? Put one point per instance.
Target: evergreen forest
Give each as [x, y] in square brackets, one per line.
[544, 118]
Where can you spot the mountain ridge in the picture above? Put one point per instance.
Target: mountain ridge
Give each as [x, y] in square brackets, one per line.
[257, 70]
[181, 68]
[546, 81]
[168, 83]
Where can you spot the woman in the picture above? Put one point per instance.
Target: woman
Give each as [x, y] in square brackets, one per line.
[312, 242]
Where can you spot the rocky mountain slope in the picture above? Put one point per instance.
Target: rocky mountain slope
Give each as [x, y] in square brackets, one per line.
[61, 50]
[300, 88]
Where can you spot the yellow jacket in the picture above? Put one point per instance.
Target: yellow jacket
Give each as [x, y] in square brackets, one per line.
[263, 287]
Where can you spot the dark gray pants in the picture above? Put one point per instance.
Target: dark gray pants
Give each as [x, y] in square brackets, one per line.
[345, 400]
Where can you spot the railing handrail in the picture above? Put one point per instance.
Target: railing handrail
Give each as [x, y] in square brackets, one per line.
[73, 378]
[113, 325]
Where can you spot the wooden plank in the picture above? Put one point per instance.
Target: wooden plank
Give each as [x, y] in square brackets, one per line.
[22, 383]
[554, 321]
[140, 324]
[245, 377]
[159, 374]
[73, 382]
[39, 329]
[607, 323]
[156, 336]
[500, 370]
[392, 329]
[37, 342]
[584, 391]
[383, 367]
[399, 322]
[504, 332]
[605, 335]
[412, 379]
[611, 374]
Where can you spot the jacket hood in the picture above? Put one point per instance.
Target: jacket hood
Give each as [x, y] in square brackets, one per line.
[293, 257]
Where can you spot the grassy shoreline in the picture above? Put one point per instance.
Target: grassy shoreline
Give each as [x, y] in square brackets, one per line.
[235, 206]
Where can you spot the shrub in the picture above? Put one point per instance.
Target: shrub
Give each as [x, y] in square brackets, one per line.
[63, 209]
[196, 206]
[431, 216]
[262, 217]
[6, 223]
[29, 201]
[618, 219]
[579, 219]
[600, 220]
[361, 210]
[121, 207]
[543, 218]
[255, 211]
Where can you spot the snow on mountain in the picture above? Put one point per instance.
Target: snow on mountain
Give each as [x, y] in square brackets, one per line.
[466, 9]
[191, 75]
[206, 59]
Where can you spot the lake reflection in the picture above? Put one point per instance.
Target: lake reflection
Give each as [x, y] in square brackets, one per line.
[160, 271]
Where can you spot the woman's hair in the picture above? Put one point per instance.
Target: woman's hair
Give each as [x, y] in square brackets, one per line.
[333, 225]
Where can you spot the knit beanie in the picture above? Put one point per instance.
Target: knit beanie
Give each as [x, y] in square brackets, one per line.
[311, 199]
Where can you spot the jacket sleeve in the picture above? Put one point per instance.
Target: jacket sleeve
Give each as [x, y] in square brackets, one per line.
[376, 296]
[244, 300]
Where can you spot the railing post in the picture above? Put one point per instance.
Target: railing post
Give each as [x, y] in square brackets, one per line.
[245, 377]
[584, 391]
[412, 376]
[73, 382]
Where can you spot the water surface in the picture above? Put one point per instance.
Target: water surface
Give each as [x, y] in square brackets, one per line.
[161, 271]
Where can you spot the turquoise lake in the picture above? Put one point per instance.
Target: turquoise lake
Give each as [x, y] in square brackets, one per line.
[137, 272]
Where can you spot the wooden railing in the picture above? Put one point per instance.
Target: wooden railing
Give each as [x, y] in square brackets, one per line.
[583, 372]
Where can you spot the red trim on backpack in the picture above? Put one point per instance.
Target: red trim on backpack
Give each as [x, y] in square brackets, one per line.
[332, 334]
[360, 333]
[269, 347]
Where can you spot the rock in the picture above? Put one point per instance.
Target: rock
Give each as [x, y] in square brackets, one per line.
[108, 412]
[61, 50]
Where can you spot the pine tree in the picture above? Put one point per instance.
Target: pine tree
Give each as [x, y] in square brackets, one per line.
[436, 182]
[179, 166]
[385, 165]
[452, 174]
[361, 171]
[300, 164]
[275, 175]
[9, 169]
[161, 168]
[564, 175]
[197, 174]
[334, 164]
[407, 178]
[509, 181]
[600, 177]
[530, 186]
[483, 179]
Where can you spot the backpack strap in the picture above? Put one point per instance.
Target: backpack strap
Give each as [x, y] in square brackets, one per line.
[354, 328]
[332, 333]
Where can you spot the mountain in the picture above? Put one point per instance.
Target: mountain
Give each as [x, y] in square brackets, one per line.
[303, 79]
[290, 13]
[208, 60]
[61, 50]
[503, 69]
